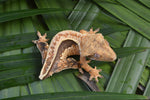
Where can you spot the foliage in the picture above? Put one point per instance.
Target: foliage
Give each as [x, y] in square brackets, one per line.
[124, 23]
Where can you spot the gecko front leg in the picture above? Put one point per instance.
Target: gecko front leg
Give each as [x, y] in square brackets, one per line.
[94, 73]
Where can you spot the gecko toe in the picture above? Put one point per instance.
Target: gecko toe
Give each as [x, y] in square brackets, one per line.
[81, 71]
[88, 61]
[91, 77]
[38, 34]
[34, 41]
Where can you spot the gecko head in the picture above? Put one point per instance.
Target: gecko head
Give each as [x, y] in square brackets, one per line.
[101, 50]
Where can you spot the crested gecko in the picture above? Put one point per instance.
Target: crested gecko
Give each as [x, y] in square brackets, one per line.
[68, 42]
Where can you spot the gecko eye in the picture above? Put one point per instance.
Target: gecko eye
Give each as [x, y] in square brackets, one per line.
[96, 55]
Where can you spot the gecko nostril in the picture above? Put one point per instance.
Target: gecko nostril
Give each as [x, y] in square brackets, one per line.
[113, 58]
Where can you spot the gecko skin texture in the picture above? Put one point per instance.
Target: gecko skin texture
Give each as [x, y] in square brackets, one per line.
[69, 42]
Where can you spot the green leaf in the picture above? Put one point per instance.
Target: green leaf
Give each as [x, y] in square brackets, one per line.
[83, 18]
[18, 69]
[147, 90]
[130, 18]
[18, 61]
[8, 16]
[83, 14]
[128, 70]
[23, 68]
[79, 95]
[108, 24]
[126, 51]
[17, 76]
[9, 92]
[59, 82]
[89, 15]
[145, 2]
[116, 39]
[55, 21]
[145, 77]
[137, 8]
[16, 41]
[20, 40]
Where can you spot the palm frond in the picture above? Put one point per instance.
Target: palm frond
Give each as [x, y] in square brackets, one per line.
[124, 24]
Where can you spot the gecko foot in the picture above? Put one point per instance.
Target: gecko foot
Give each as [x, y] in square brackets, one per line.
[41, 38]
[94, 73]
[81, 71]
[90, 32]
[93, 32]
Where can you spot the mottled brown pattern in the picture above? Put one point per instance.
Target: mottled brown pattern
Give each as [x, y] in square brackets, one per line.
[54, 43]
[65, 36]
[74, 35]
[59, 35]
[52, 48]
[57, 38]
[87, 44]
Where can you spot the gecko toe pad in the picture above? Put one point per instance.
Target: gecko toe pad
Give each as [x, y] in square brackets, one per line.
[94, 73]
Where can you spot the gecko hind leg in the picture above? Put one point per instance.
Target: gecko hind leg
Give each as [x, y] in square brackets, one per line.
[74, 64]
[42, 45]
[68, 63]
[41, 38]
